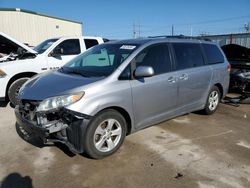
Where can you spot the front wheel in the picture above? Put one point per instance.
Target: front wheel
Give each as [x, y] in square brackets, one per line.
[14, 90]
[212, 101]
[105, 134]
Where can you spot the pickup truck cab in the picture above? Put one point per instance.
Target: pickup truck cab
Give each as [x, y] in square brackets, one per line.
[51, 54]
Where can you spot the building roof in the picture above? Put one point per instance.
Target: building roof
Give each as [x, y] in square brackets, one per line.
[230, 34]
[36, 13]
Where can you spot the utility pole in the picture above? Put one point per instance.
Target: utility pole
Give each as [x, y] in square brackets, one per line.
[136, 30]
[139, 30]
[172, 30]
[247, 27]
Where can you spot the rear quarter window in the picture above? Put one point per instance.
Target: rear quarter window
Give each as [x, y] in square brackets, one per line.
[90, 42]
[213, 54]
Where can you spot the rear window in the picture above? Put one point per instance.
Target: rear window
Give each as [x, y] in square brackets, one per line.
[90, 42]
[213, 54]
[188, 55]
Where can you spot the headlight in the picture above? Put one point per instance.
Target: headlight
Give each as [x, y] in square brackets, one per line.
[59, 101]
[2, 73]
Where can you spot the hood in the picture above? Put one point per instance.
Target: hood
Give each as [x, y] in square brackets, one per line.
[10, 45]
[238, 56]
[52, 84]
[236, 52]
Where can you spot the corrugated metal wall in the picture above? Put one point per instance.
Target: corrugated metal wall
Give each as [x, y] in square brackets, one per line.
[33, 29]
[242, 39]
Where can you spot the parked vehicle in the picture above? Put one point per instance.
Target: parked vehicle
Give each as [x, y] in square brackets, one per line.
[239, 58]
[117, 88]
[23, 62]
[10, 48]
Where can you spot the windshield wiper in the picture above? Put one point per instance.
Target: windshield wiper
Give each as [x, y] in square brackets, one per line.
[72, 71]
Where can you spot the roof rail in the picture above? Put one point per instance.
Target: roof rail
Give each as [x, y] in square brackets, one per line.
[181, 37]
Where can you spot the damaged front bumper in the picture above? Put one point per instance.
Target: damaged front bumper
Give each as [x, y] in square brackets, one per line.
[240, 82]
[63, 125]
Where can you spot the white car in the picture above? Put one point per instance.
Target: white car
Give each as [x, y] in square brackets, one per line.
[23, 62]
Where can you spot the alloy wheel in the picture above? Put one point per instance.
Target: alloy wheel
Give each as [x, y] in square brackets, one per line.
[107, 135]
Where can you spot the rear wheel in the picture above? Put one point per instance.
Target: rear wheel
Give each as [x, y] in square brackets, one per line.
[212, 101]
[14, 90]
[105, 134]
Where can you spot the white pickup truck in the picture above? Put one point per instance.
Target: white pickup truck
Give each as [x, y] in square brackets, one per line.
[18, 67]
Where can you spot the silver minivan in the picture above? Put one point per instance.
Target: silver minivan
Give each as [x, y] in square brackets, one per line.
[120, 87]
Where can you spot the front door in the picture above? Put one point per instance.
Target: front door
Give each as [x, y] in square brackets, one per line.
[69, 48]
[154, 98]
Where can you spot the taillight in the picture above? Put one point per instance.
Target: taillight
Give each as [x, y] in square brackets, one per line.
[228, 67]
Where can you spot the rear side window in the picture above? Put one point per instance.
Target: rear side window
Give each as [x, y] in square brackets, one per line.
[213, 54]
[90, 42]
[188, 55]
[156, 56]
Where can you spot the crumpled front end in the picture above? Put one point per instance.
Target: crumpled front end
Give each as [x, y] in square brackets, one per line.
[240, 81]
[59, 125]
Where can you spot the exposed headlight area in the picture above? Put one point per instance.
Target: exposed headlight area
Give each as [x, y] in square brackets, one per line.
[47, 112]
[53, 123]
[59, 101]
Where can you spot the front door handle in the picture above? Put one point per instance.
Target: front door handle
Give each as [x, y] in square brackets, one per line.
[183, 77]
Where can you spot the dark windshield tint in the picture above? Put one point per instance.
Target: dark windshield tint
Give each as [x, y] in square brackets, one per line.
[101, 60]
[42, 47]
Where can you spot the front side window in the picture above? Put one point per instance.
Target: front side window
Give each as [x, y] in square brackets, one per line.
[70, 47]
[188, 55]
[101, 60]
[157, 57]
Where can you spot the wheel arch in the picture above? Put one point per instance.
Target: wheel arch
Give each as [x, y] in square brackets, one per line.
[16, 77]
[124, 113]
[219, 86]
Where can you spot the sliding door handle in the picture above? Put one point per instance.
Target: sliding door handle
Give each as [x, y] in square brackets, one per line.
[183, 77]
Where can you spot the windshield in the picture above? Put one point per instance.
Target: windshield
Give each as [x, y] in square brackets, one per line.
[42, 47]
[100, 60]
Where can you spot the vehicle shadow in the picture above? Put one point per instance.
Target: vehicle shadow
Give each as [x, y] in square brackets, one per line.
[3, 104]
[37, 142]
[15, 180]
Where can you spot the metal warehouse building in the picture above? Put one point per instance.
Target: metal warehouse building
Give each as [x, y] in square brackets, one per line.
[242, 39]
[32, 27]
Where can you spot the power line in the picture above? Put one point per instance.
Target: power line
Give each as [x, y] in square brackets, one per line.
[197, 23]
[220, 20]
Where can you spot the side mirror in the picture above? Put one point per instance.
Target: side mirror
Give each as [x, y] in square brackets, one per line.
[144, 71]
[57, 52]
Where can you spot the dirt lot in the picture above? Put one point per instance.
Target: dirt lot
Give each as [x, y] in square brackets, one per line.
[189, 151]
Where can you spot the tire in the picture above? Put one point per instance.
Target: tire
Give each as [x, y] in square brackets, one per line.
[213, 101]
[14, 89]
[98, 140]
